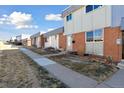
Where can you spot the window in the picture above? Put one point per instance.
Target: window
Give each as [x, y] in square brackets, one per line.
[89, 8]
[89, 36]
[98, 35]
[69, 17]
[97, 6]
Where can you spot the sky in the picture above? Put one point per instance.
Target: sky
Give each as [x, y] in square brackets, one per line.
[30, 19]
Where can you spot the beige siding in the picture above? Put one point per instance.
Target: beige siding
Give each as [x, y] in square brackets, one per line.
[82, 22]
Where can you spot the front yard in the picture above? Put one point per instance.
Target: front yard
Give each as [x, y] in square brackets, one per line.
[86, 65]
[17, 70]
[93, 69]
[41, 51]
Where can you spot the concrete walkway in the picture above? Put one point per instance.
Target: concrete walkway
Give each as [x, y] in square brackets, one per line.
[67, 76]
[116, 81]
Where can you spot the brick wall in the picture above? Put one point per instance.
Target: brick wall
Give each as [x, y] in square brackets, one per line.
[110, 46]
[62, 41]
[79, 42]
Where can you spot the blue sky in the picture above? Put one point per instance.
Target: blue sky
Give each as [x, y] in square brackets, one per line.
[15, 20]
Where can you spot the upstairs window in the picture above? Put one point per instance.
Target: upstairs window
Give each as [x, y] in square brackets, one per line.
[97, 6]
[89, 8]
[69, 17]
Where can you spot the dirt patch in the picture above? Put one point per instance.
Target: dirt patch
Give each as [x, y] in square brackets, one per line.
[93, 69]
[43, 51]
[19, 71]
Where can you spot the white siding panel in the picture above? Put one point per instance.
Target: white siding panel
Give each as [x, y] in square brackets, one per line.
[94, 48]
[98, 48]
[53, 41]
[77, 16]
[89, 48]
[99, 18]
[87, 22]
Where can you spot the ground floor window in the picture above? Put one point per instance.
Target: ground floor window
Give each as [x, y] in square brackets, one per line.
[96, 35]
[94, 44]
[89, 36]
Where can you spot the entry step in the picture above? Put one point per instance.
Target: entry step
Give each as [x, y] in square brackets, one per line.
[121, 64]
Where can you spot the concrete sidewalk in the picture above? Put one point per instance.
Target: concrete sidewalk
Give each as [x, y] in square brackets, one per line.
[69, 77]
[116, 81]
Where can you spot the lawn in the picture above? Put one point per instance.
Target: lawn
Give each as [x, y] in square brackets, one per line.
[93, 69]
[19, 71]
[40, 51]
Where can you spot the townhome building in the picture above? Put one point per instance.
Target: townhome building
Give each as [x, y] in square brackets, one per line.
[37, 40]
[26, 41]
[55, 38]
[20, 38]
[95, 29]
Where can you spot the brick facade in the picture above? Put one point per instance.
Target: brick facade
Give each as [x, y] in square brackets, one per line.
[62, 41]
[110, 46]
[79, 42]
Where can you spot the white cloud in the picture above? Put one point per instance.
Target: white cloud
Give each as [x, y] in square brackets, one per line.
[53, 17]
[19, 20]
[1, 22]
[50, 29]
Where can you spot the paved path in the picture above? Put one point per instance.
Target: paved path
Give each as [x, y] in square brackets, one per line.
[70, 78]
[116, 81]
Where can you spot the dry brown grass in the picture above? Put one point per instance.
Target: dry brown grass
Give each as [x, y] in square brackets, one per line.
[17, 70]
[95, 70]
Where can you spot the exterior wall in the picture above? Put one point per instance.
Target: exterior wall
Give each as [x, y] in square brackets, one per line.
[32, 42]
[95, 48]
[110, 46]
[82, 22]
[38, 42]
[117, 14]
[26, 42]
[29, 42]
[42, 41]
[52, 41]
[79, 44]
[62, 41]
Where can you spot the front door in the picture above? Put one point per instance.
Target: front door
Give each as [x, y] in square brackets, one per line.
[123, 45]
[69, 42]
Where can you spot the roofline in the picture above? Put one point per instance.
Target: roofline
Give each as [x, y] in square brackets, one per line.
[37, 34]
[70, 9]
[54, 32]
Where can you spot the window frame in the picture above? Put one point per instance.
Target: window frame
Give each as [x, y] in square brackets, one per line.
[88, 10]
[87, 38]
[93, 8]
[102, 38]
[69, 17]
[94, 36]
